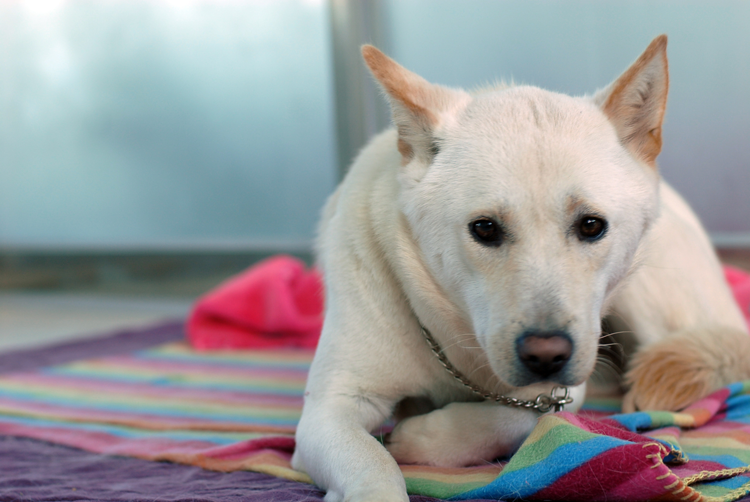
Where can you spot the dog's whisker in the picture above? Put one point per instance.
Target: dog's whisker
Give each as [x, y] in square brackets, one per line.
[458, 343]
[614, 354]
[479, 368]
[612, 344]
[604, 370]
[459, 339]
[606, 335]
[605, 375]
[614, 349]
[606, 362]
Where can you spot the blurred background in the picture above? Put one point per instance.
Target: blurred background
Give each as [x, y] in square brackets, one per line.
[149, 149]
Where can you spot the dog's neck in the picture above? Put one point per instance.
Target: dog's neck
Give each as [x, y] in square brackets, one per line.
[432, 307]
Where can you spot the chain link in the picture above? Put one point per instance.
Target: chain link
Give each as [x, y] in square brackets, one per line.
[543, 402]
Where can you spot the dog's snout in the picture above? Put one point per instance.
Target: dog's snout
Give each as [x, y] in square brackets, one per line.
[544, 353]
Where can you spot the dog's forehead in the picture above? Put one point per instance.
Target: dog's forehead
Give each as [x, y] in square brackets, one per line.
[516, 144]
[520, 132]
[507, 114]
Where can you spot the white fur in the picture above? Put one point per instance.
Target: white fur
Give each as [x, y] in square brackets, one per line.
[395, 249]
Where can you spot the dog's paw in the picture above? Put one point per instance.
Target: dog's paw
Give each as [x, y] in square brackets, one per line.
[413, 441]
[685, 367]
[460, 434]
[368, 495]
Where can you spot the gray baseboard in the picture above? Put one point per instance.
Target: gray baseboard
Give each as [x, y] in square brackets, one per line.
[166, 271]
[731, 240]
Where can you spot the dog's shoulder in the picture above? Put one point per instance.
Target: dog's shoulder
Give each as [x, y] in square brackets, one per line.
[365, 201]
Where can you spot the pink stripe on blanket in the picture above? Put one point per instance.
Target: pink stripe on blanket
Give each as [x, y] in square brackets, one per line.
[243, 398]
[244, 448]
[140, 420]
[213, 369]
[629, 475]
[102, 442]
[262, 454]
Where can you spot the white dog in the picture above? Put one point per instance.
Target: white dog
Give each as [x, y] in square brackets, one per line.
[508, 223]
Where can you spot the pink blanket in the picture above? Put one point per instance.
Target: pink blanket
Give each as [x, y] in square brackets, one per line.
[276, 303]
[739, 281]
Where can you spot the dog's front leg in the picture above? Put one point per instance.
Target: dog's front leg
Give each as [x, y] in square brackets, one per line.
[693, 338]
[461, 434]
[335, 448]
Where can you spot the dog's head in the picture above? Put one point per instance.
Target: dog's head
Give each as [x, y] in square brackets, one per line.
[528, 205]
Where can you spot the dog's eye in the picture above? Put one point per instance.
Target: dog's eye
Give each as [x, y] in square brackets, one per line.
[591, 228]
[486, 231]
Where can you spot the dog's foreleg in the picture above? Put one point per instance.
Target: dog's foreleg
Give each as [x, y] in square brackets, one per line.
[335, 448]
[692, 336]
[461, 434]
[686, 366]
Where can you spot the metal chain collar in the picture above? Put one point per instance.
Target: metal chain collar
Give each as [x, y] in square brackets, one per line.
[543, 402]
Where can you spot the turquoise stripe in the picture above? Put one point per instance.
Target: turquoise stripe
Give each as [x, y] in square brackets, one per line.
[148, 410]
[132, 433]
[738, 407]
[728, 484]
[603, 407]
[175, 381]
[737, 387]
[529, 480]
[639, 420]
[737, 418]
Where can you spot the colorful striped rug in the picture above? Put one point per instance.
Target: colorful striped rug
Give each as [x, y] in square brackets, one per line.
[238, 410]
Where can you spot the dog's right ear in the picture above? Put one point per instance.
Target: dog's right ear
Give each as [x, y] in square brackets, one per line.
[418, 107]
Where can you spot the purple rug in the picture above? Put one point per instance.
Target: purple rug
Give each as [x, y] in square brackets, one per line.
[36, 471]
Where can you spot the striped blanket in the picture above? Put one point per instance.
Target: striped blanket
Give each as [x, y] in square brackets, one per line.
[238, 410]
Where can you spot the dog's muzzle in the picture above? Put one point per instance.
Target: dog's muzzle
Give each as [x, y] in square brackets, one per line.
[543, 403]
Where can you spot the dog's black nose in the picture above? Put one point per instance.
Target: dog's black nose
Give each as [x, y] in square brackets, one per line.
[544, 353]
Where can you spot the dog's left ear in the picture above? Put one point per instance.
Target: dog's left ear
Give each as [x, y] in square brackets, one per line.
[419, 108]
[636, 101]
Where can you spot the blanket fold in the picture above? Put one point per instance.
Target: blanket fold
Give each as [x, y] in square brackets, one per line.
[275, 303]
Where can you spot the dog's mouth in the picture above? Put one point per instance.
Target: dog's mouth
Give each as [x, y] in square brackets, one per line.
[556, 356]
[563, 380]
[556, 371]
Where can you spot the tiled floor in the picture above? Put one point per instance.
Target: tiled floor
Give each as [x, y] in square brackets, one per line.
[33, 319]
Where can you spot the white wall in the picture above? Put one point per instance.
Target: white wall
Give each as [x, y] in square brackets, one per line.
[138, 123]
[209, 123]
[578, 46]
